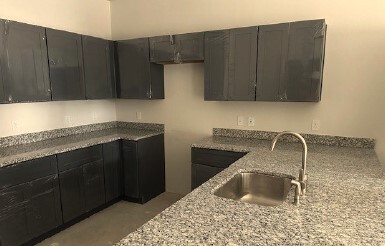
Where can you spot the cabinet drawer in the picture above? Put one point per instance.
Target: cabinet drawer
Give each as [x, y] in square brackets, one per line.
[79, 157]
[214, 158]
[27, 171]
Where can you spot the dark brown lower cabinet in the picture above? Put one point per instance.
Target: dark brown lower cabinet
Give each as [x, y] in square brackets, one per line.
[29, 210]
[144, 168]
[41, 196]
[206, 163]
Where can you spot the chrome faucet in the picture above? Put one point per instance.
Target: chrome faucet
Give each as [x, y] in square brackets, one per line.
[302, 172]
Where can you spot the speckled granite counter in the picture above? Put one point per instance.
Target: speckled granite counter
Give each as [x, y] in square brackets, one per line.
[344, 204]
[23, 152]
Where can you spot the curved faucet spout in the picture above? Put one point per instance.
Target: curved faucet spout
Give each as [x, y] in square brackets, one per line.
[302, 172]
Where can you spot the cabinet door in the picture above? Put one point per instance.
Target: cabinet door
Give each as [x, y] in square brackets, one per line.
[26, 75]
[72, 193]
[216, 65]
[94, 184]
[151, 162]
[113, 170]
[271, 65]
[189, 47]
[65, 65]
[98, 68]
[305, 60]
[202, 173]
[2, 94]
[162, 49]
[242, 64]
[44, 210]
[134, 69]
[131, 169]
[13, 216]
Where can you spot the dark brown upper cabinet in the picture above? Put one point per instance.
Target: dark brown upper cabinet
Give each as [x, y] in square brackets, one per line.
[180, 48]
[162, 49]
[24, 65]
[230, 64]
[138, 77]
[290, 61]
[273, 43]
[66, 65]
[2, 34]
[99, 78]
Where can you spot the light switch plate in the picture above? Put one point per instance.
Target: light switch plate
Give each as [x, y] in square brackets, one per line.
[240, 121]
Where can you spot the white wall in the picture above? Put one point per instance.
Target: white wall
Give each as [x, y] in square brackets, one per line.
[91, 17]
[353, 88]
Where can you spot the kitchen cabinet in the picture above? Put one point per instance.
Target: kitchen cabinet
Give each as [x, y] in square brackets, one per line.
[144, 168]
[81, 179]
[290, 61]
[44, 208]
[162, 49]
[230, 64]
[113, 170]
[180, 48]
[242, 64]
[206, 163]
[65, 65]
[99, 73]
[29, 200]
[216, 65]
[189, 47]
[305, 60]
[138, 78]
[273, 43]
[24, 64]
[2, 34]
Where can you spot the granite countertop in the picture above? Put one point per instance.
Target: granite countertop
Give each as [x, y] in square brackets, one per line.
[344, 203]
[24, 152]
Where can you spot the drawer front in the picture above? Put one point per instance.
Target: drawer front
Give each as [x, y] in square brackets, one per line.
[79, 157]
[27, 171]
[214, 158]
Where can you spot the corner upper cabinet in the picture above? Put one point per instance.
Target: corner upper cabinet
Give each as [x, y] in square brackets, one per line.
[138, 78]
[99, 79]
[24, 64]
[2, 34]
[230, 64]
[290, 61]
[162, 49]
[65, 65]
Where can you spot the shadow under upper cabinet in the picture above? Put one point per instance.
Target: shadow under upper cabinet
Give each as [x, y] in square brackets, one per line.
[66, 65]
[24, 62]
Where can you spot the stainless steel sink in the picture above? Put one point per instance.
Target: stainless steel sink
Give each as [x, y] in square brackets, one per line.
[257, 188]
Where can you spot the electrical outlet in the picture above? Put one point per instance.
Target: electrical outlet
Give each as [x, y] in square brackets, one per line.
[240, 121]
[68, 120]
[251, 121]
[15, 125]
[138, 116]
[315, 125]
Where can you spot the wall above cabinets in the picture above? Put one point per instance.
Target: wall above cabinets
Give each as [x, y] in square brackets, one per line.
[280, 62]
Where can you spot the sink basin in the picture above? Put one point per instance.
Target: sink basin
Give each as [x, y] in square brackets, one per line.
[256, 188]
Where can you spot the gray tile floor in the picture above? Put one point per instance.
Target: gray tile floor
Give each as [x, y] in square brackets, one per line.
[113, 223]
